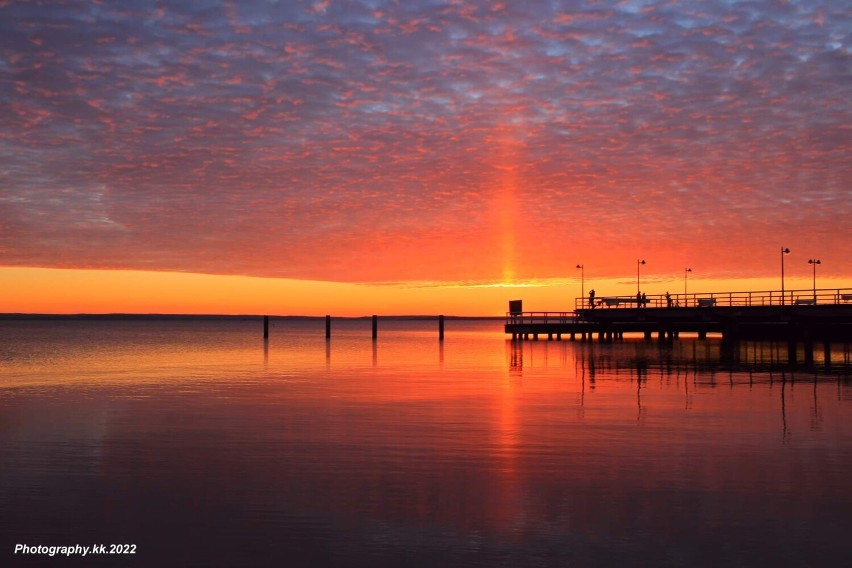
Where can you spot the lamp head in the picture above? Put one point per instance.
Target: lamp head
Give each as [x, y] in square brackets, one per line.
[785, 251]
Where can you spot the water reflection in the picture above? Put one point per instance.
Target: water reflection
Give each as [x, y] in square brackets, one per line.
[689, 367]
[206, 448]
[684, 357]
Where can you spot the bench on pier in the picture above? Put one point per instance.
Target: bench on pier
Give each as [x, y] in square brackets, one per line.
[805, 302]
[706, 302]
[846, 297]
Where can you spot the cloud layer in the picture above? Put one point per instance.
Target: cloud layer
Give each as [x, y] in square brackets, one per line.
[387, 141]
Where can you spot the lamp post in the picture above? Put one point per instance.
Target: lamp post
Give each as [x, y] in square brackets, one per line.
[814, 262]
[638, 263]
[582, 281]
[686, 272]
[783, 252]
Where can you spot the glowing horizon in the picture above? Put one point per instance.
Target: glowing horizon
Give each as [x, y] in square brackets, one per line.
[63, 291]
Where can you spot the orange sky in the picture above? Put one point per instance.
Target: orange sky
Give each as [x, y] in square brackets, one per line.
[404, 157]
[29, 290]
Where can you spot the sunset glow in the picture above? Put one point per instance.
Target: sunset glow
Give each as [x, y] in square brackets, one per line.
[32, 290]
[357, 157]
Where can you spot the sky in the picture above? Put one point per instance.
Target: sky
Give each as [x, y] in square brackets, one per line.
[429, 156]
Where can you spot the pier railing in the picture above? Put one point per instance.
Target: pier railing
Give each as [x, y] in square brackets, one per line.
[819, 296]
[524, 318]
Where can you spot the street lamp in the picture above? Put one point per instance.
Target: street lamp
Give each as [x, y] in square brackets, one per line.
[686, 272]
[582, 283]
[783, 252]
[814, 262]
[638, 262]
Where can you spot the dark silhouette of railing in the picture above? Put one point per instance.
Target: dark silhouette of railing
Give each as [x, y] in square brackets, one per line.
[820, 296]
[541, 317]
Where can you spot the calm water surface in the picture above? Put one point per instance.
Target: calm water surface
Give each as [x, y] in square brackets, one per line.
[205, 446]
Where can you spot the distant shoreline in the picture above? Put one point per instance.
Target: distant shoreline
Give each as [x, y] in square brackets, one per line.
[219, 317]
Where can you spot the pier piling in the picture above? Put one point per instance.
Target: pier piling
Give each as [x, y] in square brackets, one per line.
[375, 327]
[328, 327]
[266, 327]
[441, 328]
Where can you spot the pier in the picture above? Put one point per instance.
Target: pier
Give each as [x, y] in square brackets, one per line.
[797, 317]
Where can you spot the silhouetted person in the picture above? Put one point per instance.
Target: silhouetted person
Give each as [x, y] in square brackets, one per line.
[638, 300]
[592, 298]
[644, 299]
[668, 300]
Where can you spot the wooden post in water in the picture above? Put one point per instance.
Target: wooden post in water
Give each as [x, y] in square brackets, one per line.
[375, 326]
[809, 349]
[266, 327]
[792, 342]
[328, 327]
[441, 328]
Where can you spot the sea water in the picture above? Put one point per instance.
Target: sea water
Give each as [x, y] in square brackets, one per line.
[194, 442]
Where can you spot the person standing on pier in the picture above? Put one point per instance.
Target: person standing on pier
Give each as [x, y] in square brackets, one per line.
[592, 298]
[638, 299]
[668, 300]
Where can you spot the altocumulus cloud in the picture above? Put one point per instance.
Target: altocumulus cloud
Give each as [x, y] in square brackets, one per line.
[374, 141]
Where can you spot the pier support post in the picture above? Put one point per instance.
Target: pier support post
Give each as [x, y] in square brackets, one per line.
[731, 333]
[266, 327]
[440, 328]
[793, 337]
[826, 354]
[702, 335]
[375, 327]
[809, 351]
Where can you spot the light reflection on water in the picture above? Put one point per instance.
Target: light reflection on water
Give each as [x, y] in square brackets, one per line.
[205, 445]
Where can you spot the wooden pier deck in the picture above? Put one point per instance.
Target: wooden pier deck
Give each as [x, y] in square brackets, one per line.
[800, 316]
